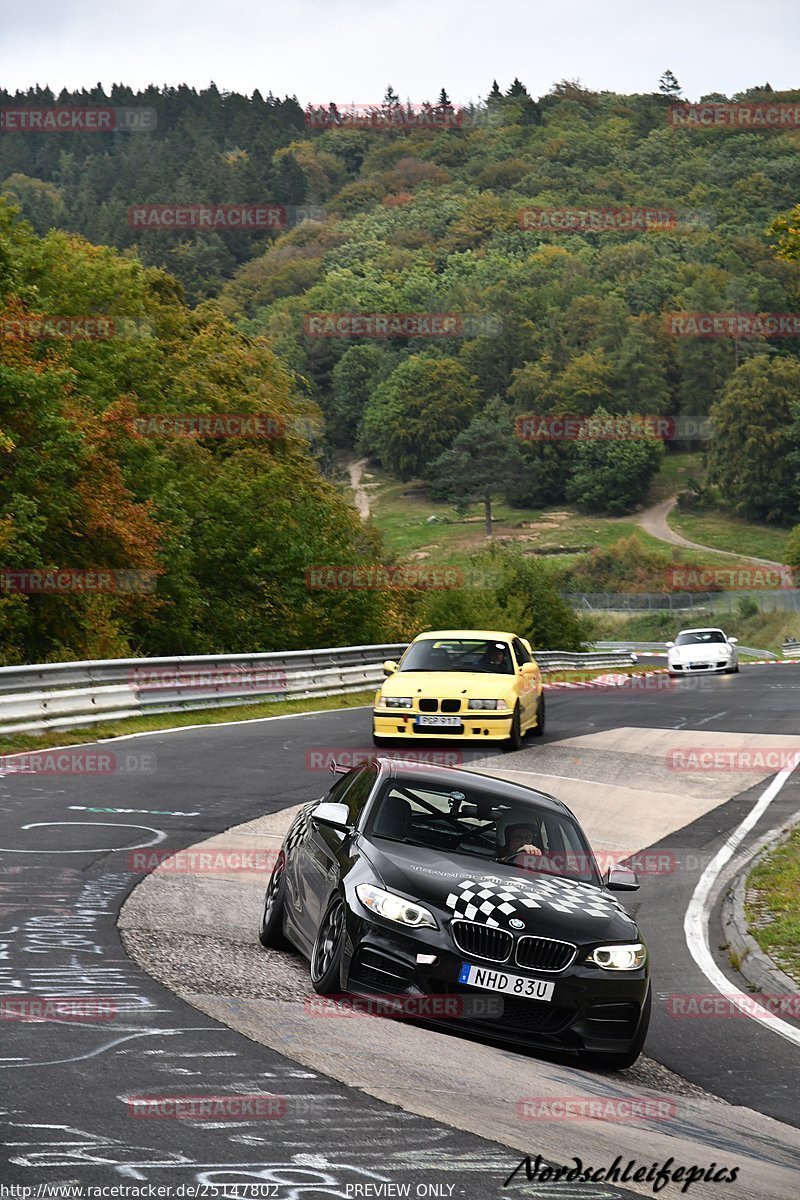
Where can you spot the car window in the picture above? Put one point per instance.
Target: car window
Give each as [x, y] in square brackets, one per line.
[700, 637]
[358, 794]
[472, 822]
[353, 790]
[521, 653]
[459, 654]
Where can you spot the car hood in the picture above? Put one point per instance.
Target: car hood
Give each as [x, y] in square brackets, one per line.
[707, 653]
[496, 894]
[448, 683]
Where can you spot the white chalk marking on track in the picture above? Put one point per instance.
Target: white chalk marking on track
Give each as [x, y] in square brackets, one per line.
[160, 835]
[695, 923]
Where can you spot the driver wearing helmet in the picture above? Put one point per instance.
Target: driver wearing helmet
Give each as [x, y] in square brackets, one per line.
[494, 658]
[518, 840]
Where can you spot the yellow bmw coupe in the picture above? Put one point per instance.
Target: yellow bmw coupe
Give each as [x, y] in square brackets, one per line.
[474, 684]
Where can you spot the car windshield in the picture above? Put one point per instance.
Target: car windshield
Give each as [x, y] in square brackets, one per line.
[459, 654]
[473, 822]
[700, 637]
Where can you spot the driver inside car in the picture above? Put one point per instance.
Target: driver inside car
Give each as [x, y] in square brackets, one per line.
[518, 840]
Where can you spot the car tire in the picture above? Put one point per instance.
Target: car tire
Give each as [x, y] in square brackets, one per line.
[621, 1060]
[538, 730]
[270, 930]
[514, 740]
[326, 957]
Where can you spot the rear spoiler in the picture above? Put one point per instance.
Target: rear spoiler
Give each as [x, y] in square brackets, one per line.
[339, 769]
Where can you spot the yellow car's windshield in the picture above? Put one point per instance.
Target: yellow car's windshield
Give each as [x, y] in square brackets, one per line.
[459, 654]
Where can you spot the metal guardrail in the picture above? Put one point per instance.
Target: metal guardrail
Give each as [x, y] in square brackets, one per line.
[554, 660]
[661, 647]
[70, 695]
[721, 603]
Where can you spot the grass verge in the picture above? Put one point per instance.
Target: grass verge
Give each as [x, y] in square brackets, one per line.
[415, 527]
[773, 905]
[14, 743]
[726, 533]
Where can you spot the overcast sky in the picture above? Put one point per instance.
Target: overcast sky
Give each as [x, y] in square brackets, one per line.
[348, 50]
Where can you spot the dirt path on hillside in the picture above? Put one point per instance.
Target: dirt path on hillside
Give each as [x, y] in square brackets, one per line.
[654, 521]
[356, 471]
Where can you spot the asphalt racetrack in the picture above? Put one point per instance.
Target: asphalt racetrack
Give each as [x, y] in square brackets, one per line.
[378, 1106]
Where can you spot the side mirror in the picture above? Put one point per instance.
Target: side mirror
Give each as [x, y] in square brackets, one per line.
[336, 816]
[622, 879]
[669, 644]
[528, 669]
[733, 641]
[389, 667]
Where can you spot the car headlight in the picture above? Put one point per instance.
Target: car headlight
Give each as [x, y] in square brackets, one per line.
[498, 705]
[393, 908]
[619, 958]
[396, 701]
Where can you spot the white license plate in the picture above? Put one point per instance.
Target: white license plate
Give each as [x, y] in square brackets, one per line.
[500, 981]
[438, 720]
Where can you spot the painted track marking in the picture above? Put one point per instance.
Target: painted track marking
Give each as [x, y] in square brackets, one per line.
[695, 923]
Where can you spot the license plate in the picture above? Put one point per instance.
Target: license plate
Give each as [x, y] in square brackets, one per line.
[500, 981]
[438, 720]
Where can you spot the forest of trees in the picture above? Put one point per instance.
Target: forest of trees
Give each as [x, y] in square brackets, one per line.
[404, 218]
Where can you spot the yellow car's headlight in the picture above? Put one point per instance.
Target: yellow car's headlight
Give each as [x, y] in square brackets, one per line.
[396, 701]
[497, 705]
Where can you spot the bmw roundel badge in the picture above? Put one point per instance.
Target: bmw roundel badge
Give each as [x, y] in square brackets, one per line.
[515, 923]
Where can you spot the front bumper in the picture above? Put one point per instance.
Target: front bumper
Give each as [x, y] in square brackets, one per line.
[476, 726]
[711, 668]
[591, 1009]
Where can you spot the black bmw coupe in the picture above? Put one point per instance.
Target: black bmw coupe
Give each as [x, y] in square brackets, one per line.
[461, 895]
